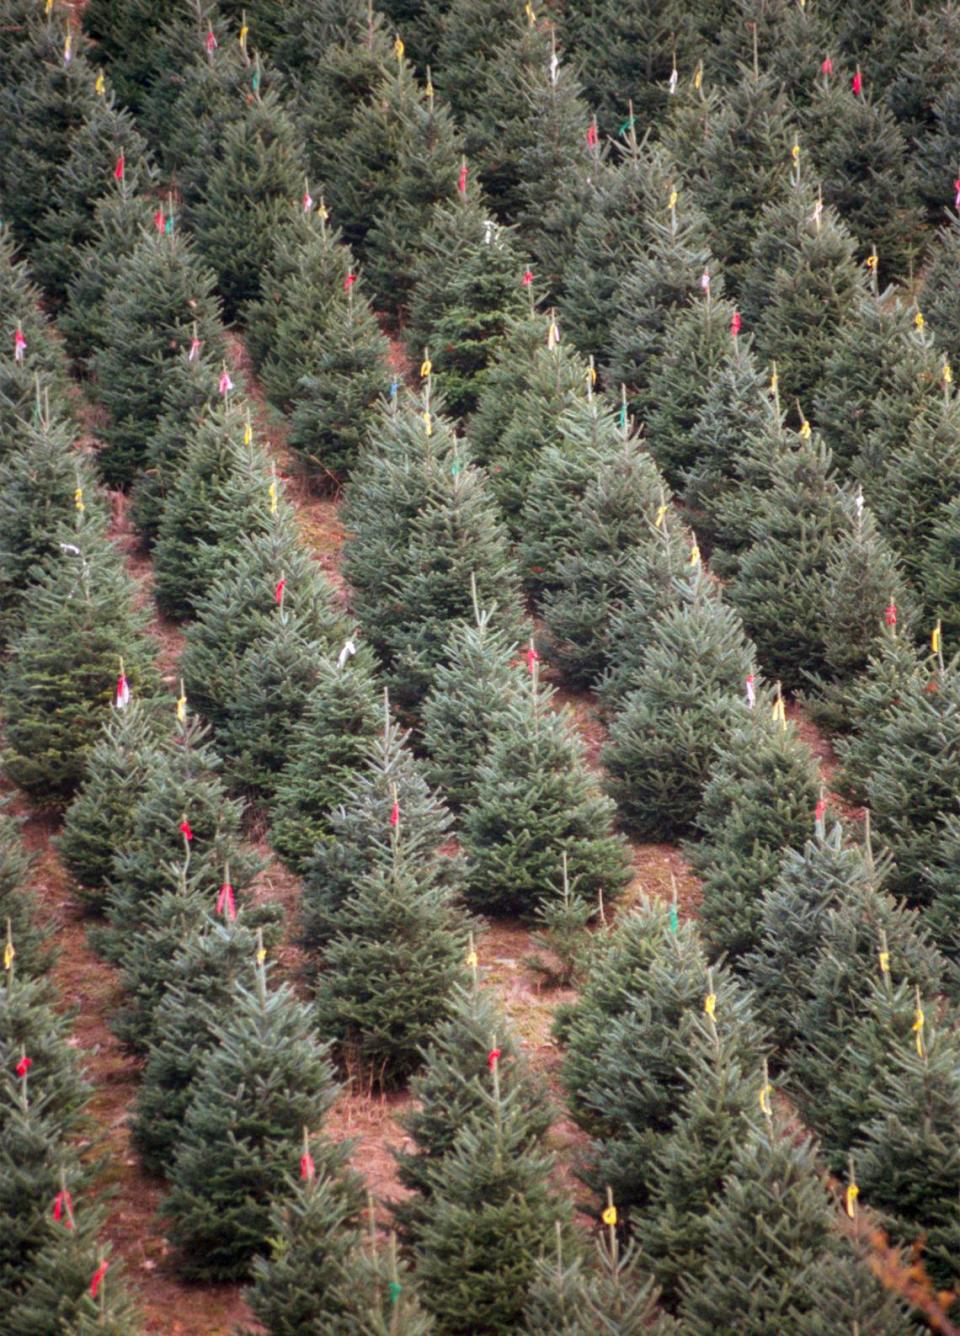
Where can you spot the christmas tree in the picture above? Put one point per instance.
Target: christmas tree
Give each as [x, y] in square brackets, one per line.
[40, 1066]
[246, 195]
[686, 699]
[265, 1081]
[466, 287]
[870, 702]
[536, 802]
[23, 939]
[759, 802]
[160, 302]
[939, 573]
[468, 706]
[341, 716]
[941, 915]
[219, 495]
[83, 645]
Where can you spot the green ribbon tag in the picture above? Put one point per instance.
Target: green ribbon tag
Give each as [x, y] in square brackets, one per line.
[674, 919]
[395, 1289]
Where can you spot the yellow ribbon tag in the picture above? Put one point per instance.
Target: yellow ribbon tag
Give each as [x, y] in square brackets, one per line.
[48, 7]
[947, 374]
[779, 712]
[426, 366]
[884, 957]
[805, 430]
[272, 494]
[8, 954]
[593, 375]
[261, 955]
[182, 710]
[100, 87]
[553, 335]
[428, 424]
[918, 320]
[774, 382]
[710, 1004]
[244, 34]
[78, 500]
[918, 1023]
[323, 211]
[609, 1216]
[661, 516]
[399, 48]
[472, 961]
[795, 151]
[247, 434]
[872, 261]
[428, 87]
[67, 49]
[695, 555]
[850, 1200]
[936, 638]
[672, 202]
[698, 77]
[531, 16]
[764, 1098]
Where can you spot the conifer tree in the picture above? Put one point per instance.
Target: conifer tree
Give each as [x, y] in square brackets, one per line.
[936, 295]
[337, 401]
[943, 911]
[939, 573]
[780, 586]
[37, 346]
[65, 662]
[341, 716]
[759, 802]
[101, 817]
[774, 1215]
[686, 699]
[536, 803]
[39, 1064]
[468, 706]
[245, 197]
[118, 225]
[466, 287]
[492, 1207]
[268, 1078]
[21, 932]
[423, 525]
[308, 268]
[46, 483]
[363, 838]
[534, 381]
[628, 1040]
[915, 777]
[218, 496]
[395, 951]
[160, 301]
[181, 1031]
[881, 371]
[398, 157]
[868, 172]
[299, 1285]
[242, 603]
[108, 156]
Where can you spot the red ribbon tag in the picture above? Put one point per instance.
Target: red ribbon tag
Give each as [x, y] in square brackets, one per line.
[532, 658]
[307, 1167]
[226, 904]
[890, 614]
[736, 324]
[123, 693]
[856, 83]
[211, 42]
[462, 179]
[194, 350]
[226, 384]
[278, 591]
[956, 198]
[349, 281]
[395, 814]
[527, 277]
[23, 1066]
[185, 831]
[63, 1208]
[19, 345]
[592, 136]
[492, 1057]
[820, 811]
[827, 66]
[307, 201]
[97, 1278]
[118, 170]
[159, 221]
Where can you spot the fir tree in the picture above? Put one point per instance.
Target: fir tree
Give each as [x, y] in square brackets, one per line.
[466, 287]
[535, 801]
[62, 671]
[159, 302]
[218, 496]
[492, 1207]
[21, 933]
[759, 802]
[774, 1215]
[328, 743]
[393, 956]
[685, 700]
[101, 817]
[468, 706]
[939, 289]
[336, 403]
[943, 910]
[870, 702]
[268, 1078]
[939, 573]
[39, 1065]
[241, 604]
[39, 352]
[246, 196]
[363, 838]
[780, 586]
[628, 1040]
